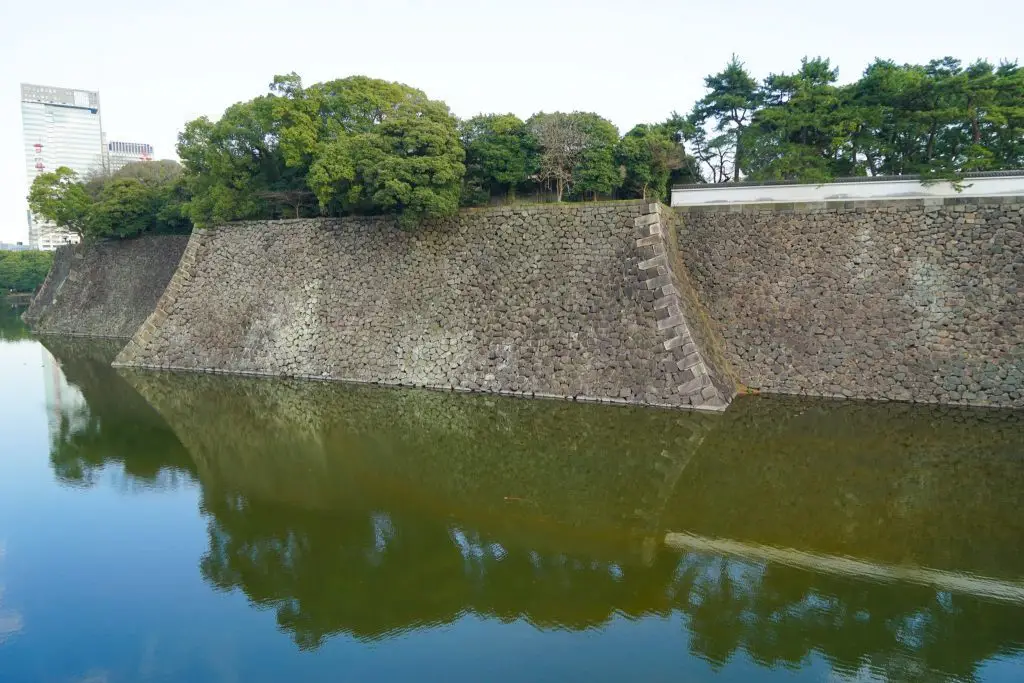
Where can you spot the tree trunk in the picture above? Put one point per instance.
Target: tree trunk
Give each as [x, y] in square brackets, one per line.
[871, 163]
[558, 188]
[736, 160]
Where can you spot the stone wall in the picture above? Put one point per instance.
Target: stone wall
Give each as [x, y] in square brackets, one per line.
[917, 300]
[105, 289]
[577, 301]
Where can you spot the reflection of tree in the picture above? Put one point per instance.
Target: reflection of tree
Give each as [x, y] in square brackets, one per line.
[11, 326]
[361, 571]
[779, 615]
[369, 512]
[115, 426]
[371, 574]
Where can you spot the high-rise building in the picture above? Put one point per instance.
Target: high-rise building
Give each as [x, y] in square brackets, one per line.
[66, 409]
[61, 127]
[120, 154]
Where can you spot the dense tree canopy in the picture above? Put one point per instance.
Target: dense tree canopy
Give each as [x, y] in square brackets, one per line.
[23, 271]
[60, 197]
[232, 164]
[360, 145]
[353, 145]
[140, 197]
[940, 119]
[648, 156]
[576, 154]
[502, 155]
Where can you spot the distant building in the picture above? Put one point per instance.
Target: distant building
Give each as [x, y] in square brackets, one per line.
[14, 246]
[120, 154]
[60, 127]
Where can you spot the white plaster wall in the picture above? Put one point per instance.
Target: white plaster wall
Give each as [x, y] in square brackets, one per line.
[727, 193]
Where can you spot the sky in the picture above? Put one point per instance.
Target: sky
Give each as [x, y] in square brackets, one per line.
[159, 64]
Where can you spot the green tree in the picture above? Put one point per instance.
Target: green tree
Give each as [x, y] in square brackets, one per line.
[596, 172]
[23, 271]
[140, 197]
[647, 155]
[803, 131]
[230, 165]
[370, 146]
[60, 197]
[501, 153]
[412, 163]
[577, 152]
[125, 208]
[681, 130]
[727, 108]
[938, 119]
[1005, 130]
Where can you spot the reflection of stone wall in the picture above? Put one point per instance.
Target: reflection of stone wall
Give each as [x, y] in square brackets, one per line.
[105, 289]
[896, 483]
[320, 497]
[569, 301]
[911, 300]
[912, 485]
[504, 461]
[113, 426]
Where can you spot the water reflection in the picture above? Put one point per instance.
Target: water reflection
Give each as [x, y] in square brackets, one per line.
[373, 513]
[370, 512]
[11, 326]
[894, 483]
[98, 420]
[10, 620]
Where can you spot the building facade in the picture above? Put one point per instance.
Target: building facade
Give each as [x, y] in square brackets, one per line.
[60, 127]
[120, 154]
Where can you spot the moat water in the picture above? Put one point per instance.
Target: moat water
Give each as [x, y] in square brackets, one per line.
[167, 527]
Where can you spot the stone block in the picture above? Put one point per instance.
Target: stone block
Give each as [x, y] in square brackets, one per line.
[659, 281]
[650, 263]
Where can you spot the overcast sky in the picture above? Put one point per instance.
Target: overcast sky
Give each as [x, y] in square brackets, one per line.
[159, 64]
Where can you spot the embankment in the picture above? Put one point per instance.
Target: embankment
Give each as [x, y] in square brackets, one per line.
[105, 289]
[584, 301]
[918, 300]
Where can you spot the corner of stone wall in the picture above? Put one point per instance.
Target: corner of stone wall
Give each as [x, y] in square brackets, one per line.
[134, 353]
[703, 385]
[60, 270]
